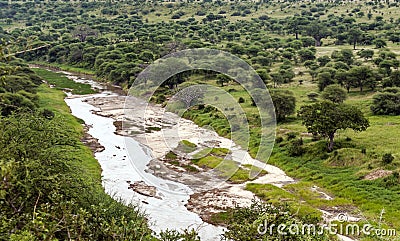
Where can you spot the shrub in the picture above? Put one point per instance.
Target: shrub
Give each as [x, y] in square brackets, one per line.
[241, 100]
[312, 96]
[387, 158]
[296, 148]
[278, 139]
[171, 156]
[291, 135]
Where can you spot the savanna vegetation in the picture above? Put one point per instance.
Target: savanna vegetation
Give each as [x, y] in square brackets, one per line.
[331, 67]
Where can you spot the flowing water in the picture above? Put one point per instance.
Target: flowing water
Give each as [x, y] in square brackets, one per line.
[169, 212]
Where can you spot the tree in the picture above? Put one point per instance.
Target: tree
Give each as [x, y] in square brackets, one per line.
[296, 24]
[366, 54]
[318, 31]
[362, 76]
[393, 80]
[387, 102]
[284, 102]
[354, 36]
[323, 60]
[341, 78]
[83, 31]
[334, 93]
[306, 54]
[277, 79]
[326, 118]
[379, 43]
[221, 79]
[324, 79]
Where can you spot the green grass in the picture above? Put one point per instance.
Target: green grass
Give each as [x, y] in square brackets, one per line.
[278, 196]
[53, 100]
[186, 146]
[61, 82]
[226, 168]
[220, 152]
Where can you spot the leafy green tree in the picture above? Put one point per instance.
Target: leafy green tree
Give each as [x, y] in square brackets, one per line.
[318, 31]
[323, 60]
[334, 93]
[361, 77]
[393, 80]
[284, 102]
[380, 43]
[326, 118]
[355, 35]
[277, 79]
[222, 79]
[342, 78]
[387, 102]
[324, 79]
[296, 24]
[306, 54]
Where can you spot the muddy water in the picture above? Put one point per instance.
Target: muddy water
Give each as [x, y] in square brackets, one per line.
[169, 212]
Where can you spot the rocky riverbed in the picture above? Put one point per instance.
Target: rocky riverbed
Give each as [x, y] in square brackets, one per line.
[162, 131]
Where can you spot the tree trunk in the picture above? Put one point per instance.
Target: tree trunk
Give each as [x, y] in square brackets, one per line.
[330, 145]
[354, 45]
[317, 42]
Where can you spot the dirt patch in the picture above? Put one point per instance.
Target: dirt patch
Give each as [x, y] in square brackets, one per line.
[377, 174]
[209, 202]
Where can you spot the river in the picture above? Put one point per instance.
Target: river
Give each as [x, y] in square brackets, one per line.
[166, 213]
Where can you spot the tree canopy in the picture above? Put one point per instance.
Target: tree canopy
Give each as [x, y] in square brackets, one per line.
[326, 118]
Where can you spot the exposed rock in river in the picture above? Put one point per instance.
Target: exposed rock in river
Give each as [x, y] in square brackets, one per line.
[90, 141]
[142, 188]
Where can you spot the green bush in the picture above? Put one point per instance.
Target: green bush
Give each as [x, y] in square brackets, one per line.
[387, 158]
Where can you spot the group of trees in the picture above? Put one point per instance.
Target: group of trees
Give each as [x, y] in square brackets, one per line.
[119, 44]
[17, 87]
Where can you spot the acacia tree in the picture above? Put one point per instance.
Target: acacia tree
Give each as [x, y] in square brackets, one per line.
[334, 93]
[284, 102]
[326, 118]
[354, 36]
[362, 76]
[222, 79]
[318, 31]
[83, 31]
